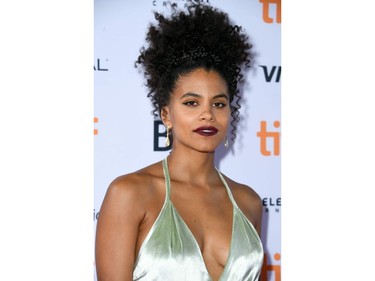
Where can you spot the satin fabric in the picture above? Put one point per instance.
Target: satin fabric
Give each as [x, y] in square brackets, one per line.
[170, 251]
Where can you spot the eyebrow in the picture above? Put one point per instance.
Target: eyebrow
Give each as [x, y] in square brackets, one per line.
[199, 96]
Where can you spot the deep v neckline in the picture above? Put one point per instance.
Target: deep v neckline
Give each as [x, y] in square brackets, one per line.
[234, 205]
[171, 252]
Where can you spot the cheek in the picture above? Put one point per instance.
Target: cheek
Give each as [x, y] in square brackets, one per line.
[224, 116]
[227, 121]
[181, 119]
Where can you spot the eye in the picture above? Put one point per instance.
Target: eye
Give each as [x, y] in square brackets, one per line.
[190, 103]
[219, 104]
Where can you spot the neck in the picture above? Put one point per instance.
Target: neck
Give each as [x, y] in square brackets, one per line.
[192, 166]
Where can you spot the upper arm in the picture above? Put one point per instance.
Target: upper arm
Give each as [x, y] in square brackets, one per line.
[117, 230]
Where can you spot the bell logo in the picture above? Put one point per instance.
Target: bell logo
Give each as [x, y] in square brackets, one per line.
[160, 133]
[264, 135]
[266, 10]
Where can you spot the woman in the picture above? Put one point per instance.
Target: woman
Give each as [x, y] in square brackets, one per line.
[181, 219]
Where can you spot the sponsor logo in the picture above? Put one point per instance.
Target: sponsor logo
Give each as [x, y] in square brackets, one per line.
[272, 74]
[160, 133]
[270, 203]
[264, 135]
[271, 272]
[96, 120]
[266, 5]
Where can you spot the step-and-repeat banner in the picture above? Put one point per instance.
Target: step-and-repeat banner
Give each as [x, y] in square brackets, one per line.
[128, 138]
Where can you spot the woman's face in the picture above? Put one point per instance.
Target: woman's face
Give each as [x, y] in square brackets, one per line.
[199, 110]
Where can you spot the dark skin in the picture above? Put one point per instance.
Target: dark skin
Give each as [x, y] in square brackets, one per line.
[133, 201]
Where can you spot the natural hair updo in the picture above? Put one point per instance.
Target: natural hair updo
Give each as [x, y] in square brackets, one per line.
[200, 36]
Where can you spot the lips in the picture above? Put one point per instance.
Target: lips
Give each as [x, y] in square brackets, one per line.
[206, 131]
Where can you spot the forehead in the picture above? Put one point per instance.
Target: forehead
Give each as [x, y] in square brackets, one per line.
[201, 81]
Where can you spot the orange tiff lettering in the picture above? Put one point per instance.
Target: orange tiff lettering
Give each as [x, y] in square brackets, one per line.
[96, 120]
[266, 10]
[263, 134]
[271, 268]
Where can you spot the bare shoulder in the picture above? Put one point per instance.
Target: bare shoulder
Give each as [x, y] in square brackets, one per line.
[248, 200]
[133, 184]
[133, 190]
[127, 202]
[244, 193]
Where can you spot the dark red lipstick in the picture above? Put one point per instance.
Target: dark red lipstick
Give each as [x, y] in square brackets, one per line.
[206, 131]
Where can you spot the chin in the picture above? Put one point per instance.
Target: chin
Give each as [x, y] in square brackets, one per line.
[207, 148]
[206, 151]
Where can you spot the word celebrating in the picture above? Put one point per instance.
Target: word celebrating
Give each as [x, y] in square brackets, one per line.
[263, 134]
[96, 120]
[159, 137]
[268, 75]
[271, 268]
[97, 66]
[266, 9]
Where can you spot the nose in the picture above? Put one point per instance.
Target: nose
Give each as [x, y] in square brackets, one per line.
[206, 115]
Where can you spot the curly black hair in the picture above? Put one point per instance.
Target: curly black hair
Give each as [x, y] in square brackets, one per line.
[200, 36]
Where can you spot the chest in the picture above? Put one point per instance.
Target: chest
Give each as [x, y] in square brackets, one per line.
[209, 217]
[176, 244]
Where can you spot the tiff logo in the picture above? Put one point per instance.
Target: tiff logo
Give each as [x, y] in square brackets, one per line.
[266, 10]
[96, 120]
[264, 135]
[271, 269]
[270, 74]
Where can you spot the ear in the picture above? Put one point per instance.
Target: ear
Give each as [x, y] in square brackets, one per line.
[165, 116]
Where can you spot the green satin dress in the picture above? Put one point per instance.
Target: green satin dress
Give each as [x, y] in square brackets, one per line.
[171, 253]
